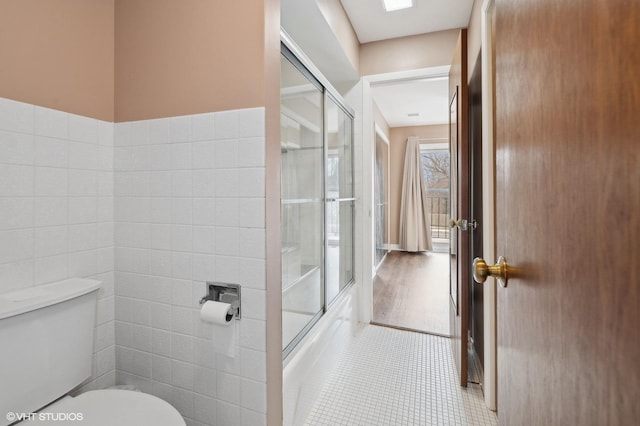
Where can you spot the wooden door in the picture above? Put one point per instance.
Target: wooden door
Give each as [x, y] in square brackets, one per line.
[568, 211]
[459, 193]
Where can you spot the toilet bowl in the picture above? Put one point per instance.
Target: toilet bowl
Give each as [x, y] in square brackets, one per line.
[109, 407]
[50, 329]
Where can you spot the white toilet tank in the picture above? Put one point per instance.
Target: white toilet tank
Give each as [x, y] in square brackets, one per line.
[46, 340]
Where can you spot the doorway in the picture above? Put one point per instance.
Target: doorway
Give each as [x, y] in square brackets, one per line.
[410, 289]
[483, 339]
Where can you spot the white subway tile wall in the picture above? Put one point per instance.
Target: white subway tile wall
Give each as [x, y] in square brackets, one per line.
[189, 208]
[56, 210]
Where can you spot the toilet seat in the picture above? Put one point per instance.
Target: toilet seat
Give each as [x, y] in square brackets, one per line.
[110, 407]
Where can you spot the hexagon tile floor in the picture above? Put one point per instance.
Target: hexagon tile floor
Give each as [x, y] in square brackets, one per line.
[390, 377]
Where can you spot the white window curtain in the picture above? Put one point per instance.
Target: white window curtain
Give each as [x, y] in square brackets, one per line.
[415, 227]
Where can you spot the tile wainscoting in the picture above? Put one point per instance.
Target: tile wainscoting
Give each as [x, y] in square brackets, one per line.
[153, 209]
[56, 210]
[189, 208]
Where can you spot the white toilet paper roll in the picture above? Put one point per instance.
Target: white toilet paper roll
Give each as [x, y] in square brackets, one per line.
[224, 330]
[217, 313]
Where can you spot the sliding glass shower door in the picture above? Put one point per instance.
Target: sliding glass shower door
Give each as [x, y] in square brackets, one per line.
[302, 208]
[317, 203]
[340, 200]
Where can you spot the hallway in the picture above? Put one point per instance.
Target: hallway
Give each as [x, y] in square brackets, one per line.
[390, 377]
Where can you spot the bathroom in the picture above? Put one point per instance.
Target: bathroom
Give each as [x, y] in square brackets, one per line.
[140, 147]
[141, 157]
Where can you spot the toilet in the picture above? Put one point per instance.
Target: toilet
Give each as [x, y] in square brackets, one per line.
[47, 350]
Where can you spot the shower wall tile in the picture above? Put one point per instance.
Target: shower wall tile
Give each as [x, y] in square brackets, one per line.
[56, 210]
[189, 208]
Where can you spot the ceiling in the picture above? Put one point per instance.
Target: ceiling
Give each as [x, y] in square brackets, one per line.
[400, 101]
[371, 22]
[428, 98]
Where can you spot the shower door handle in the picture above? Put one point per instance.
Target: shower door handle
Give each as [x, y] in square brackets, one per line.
[331, 200]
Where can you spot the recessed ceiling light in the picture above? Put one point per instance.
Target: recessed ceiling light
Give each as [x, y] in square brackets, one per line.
[391, 5]
[413, 114]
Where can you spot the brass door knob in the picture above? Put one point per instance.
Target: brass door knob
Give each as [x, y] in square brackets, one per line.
[500, 271]
[455, 223]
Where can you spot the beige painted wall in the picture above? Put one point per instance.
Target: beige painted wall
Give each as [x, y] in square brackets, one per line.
[408, 53]
[59, 54]
[397, 148]
[340, 24]
[176, 58]
[121, 60]
[474, 36]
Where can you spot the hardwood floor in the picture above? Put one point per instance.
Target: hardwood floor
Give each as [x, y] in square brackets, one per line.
[411, 291]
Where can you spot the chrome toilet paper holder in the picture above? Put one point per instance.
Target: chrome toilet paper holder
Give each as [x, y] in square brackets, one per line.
[225, 293]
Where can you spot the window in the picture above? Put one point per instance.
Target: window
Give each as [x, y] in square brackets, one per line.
[436, 174]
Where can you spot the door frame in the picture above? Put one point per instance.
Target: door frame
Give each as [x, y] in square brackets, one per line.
[488, 205]
[368, 161]
[379, 133]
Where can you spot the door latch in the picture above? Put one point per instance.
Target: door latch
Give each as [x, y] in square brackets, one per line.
[463, 224]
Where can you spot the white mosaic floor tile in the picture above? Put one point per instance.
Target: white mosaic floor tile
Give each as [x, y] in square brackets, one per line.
[390, 377]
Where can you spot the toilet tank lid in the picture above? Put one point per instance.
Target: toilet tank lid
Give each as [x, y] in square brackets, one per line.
[29, 299]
